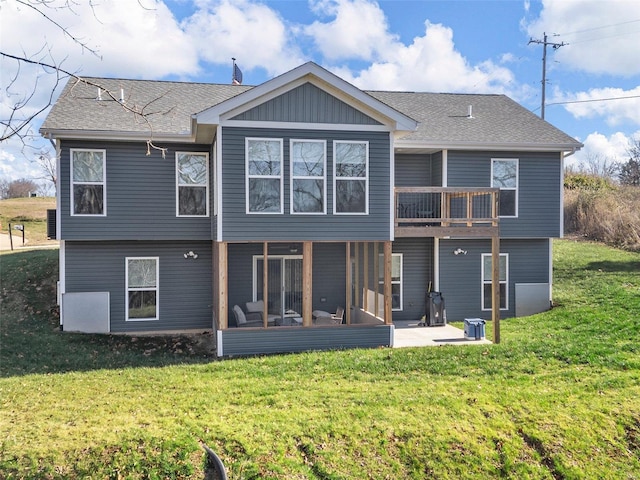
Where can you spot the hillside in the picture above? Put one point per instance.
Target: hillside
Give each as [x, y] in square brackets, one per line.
[32, 214]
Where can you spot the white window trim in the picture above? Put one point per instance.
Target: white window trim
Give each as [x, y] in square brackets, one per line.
[366, 178]
[103, 183]
[247, 176]
[517, 187]
[505, 282]
[396, 282]
[206, 185]
[127, 289]
[300, 177]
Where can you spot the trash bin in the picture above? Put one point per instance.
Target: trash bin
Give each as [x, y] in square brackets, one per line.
[435, 314]
[474, 328]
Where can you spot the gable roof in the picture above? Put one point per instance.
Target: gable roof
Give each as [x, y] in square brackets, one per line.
[496, 121]
[309, 73]
[173, 110]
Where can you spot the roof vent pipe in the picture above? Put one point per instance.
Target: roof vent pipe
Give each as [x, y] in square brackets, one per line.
[99, 97]
[122, 95]
[470, 112]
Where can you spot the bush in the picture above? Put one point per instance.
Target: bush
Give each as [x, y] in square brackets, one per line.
[606, 214]
[586, 181]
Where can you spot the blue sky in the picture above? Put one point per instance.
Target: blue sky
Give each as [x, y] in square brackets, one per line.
[421, 45]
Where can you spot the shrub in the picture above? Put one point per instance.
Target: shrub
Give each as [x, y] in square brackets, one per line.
[586, 181]
[606, 214]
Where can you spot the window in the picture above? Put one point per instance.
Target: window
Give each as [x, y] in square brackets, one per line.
[351, 177]
[88, 182]
[142, 288]
[264, 175]
[504, 175]
[396, 279]
[486, 281]
[308, 176]
[192, 184]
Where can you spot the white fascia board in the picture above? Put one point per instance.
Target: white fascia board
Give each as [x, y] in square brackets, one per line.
[121, 136]
[313, 73]
[529, 147]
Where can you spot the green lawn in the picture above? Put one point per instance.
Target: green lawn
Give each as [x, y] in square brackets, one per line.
[559, 398]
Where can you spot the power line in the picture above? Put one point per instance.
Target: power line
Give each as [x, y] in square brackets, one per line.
[595, 100]
[598, 28]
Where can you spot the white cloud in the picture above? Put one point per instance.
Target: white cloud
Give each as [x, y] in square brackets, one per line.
[625, 110]
[359, 30]
[253, 32]
[136, 39]
[420, 66]
[601, 148]
[18, 161]
[602, 37]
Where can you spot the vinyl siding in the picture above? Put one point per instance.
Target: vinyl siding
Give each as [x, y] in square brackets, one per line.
[413, 170]
[237, 225]
[417, 273]
[539, 191]
[240, 341]
[185, 292]
[307, 104]
[140, 196]
[460, 275]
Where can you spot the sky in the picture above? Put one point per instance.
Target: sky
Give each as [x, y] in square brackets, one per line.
[458, 46]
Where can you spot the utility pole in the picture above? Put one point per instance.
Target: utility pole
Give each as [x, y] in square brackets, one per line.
[544, 44]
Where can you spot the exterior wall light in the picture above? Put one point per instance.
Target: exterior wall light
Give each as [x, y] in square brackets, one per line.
[459, 251]
[191, 254]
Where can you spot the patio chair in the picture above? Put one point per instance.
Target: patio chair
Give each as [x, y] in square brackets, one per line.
[241, 319]
[321, 317]
[255, 310]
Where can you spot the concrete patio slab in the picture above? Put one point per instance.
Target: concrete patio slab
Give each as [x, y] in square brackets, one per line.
[410, 334]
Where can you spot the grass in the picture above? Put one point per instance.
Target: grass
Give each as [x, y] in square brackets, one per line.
[559, 398]
[30, 212]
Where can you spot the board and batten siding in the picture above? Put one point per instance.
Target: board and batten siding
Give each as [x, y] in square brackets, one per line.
[461, 280]
[185, 291]
[306, 104]
[329, 279]
[140, 195]
[539, 189]
[237, 225]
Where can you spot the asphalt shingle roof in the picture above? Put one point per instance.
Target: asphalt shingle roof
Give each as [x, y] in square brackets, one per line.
[169, 106]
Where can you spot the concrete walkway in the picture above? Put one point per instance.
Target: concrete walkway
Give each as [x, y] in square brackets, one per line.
[410, 334]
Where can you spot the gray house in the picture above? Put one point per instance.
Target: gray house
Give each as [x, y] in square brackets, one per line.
[257, 211]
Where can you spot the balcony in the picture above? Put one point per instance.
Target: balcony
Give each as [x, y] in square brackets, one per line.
[446, 212]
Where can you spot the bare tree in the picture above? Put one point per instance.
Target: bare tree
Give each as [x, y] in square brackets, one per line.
[47, 164]
[599, 166]
[20, 108]
[630, 171]
[20, 188]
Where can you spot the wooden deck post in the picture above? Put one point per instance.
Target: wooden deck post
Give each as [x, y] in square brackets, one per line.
[307, 283]
[387, 283]
[265, 284]
[365, 280]
[376, 278]
[349, 280]
[222, 283]
[356, 301]
[495, 286]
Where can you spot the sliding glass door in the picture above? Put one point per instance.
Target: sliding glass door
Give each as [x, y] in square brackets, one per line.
[285, 282]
